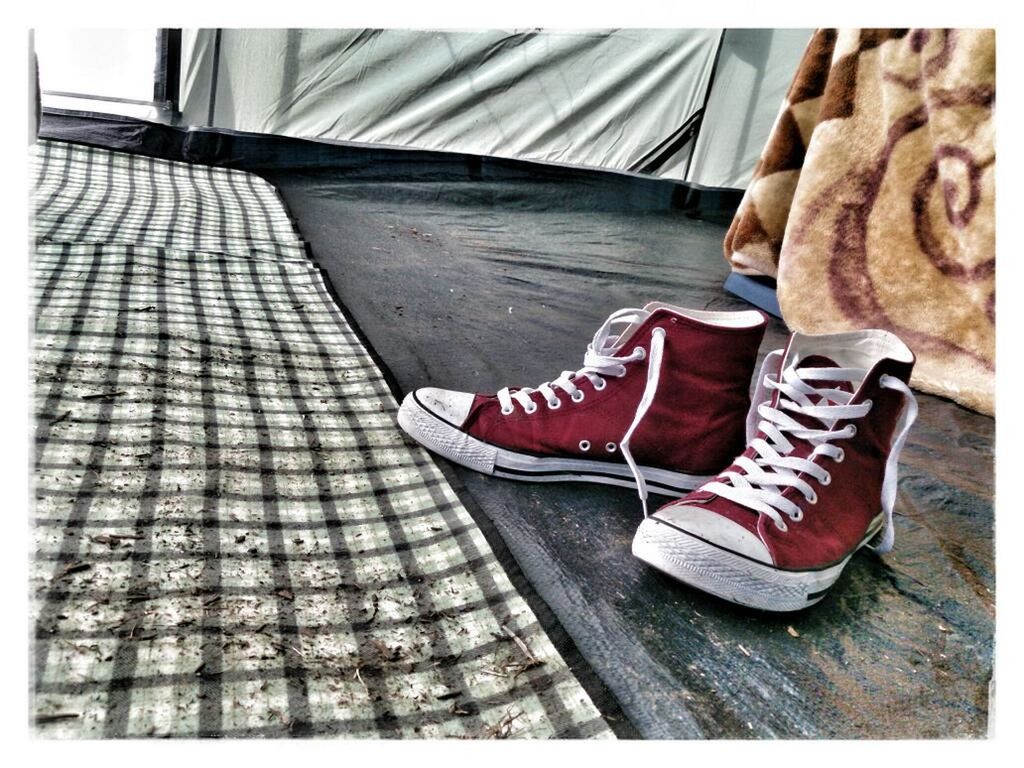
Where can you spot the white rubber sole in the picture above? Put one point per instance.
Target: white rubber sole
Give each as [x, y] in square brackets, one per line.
[731, 576]
[447, 440]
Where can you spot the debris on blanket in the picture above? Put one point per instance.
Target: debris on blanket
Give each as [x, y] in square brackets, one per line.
[231, 536]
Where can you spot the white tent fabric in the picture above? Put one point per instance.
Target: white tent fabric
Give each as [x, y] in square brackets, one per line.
[755, 68]
[615, 99]
[593, 98]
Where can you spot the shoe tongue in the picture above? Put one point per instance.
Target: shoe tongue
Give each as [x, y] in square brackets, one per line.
[818, 361]
[621, 336]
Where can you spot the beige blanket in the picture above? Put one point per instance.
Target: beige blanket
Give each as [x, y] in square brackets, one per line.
[874, 200]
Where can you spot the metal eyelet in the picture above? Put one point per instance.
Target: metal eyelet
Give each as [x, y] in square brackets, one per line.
[507, 411]
[555, 407]
[841, 457]
[610, 447]
[853, 429]
[797, 517]
[869, 402]
[579, 399]
[603, 385]
[531, 408]
[584, 445]
[782, 527]
[813, 498]
[827, 480]
[620, 375]
[642, 351]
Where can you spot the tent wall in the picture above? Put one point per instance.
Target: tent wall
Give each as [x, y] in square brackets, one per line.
[692, 105]
[755, 68]
[592, 98]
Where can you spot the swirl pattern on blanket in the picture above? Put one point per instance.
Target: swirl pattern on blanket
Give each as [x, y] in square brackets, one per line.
[874, 200]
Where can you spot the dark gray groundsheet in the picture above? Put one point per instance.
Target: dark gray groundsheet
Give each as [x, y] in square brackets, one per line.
[231, 537]
[480, 284]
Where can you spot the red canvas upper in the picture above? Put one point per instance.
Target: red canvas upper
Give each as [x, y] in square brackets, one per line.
[695, 425]
[833, 527]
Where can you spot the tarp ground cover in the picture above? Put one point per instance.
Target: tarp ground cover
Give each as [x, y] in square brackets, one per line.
[231, 537]
[902, 646]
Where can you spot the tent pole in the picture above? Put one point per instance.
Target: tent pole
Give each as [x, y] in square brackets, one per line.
[213, 78]
[704, 106]
[168, 72]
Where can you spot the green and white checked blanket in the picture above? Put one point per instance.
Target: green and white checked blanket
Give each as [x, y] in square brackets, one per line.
[231, 535]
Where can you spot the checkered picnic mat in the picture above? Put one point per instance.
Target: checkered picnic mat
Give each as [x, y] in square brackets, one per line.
[232, 538]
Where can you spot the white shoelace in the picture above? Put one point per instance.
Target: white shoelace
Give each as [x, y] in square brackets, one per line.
[600, 362]
[759, 487]
[650, 390]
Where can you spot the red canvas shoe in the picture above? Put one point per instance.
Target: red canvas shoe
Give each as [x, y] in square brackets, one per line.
[816, 483]
[662, 389]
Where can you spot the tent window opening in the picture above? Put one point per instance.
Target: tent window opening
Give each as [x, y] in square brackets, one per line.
[129, 72]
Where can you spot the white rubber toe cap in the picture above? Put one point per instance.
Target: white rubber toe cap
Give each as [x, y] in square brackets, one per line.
[451, 406]
[715, 529]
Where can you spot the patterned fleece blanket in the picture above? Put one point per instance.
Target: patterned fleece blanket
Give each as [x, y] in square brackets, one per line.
[874, 199]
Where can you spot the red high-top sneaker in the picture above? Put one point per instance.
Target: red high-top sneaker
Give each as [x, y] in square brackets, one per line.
[816, 483]
[667, 394]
